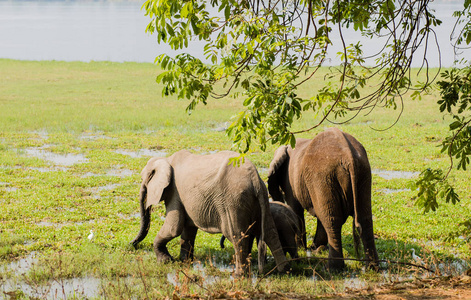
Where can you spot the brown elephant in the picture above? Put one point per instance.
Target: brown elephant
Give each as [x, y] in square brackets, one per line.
[288, 225]
[330, 177]
[207, 192]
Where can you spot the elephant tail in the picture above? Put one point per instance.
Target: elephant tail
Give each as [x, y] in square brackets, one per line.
[356, 240]
[145, 217]
[356, 229]
[261, 246]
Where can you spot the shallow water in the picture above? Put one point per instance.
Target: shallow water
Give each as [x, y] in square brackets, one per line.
[142, 152]
[96, 190]
[6, 186]
[120, 172]
[67, 159]
[60, 225]
[45, 170]
[394, 174]
[392, 191]
[76, 288]
[355, 283]
[86, 287]
[129, 217]
[23, 265]
[92, 136]
[42, 134]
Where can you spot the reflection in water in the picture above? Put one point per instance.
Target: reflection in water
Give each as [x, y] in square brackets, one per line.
[60, 288]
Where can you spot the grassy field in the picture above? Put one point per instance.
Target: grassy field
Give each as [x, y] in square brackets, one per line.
[75, 136]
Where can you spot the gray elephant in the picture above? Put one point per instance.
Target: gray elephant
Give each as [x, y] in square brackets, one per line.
[288, 225]
[207, 192]
[330, 177]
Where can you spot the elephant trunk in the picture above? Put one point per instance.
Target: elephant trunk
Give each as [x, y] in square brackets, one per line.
[268, 234]
[145, 217]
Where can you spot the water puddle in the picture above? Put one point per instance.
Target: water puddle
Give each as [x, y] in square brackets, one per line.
[60, 225]
[22, 265]
[42, 134]
[120, 172]
[67, 159]
[142, 152]
[395, 174]
[112, 172]
[45, 170]
[6, 186]
[392, 191]
[174, 277]
[129, 217]
[73, 288]
[93, 136]
[355, 283]
[95, 191]
[221, 127]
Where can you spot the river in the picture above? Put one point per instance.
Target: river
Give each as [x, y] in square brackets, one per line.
[115, 31]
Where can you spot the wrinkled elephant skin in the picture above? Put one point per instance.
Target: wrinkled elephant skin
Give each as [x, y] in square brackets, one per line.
[207, 192]
[288, 225]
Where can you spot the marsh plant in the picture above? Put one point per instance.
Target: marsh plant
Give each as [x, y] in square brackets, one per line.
[101, 112]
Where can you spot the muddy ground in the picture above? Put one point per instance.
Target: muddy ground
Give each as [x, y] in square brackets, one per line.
[428, 289]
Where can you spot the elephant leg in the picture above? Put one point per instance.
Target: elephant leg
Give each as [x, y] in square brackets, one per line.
[320, 239]
[333, 228]
[367, 237]
[288, 237]
[241, 247]
[299, 211]
[172, 227]
[290, 246]
[335, 249]
[187, 243]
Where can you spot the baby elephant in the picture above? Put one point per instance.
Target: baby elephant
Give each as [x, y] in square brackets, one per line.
[207, 192]
[288, 225]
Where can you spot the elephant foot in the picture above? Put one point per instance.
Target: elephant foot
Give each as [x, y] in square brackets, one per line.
[163, 258]
[336, 265]
[185, 256]
[318, 249]
[162, 254]
[285, 269]
[372, 265]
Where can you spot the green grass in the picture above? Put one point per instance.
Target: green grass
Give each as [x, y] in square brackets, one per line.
[100, 109]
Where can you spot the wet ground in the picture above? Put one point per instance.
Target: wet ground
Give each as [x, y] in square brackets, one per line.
[393, 286]
[354, 288]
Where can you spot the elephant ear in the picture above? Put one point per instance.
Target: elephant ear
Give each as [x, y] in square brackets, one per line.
[274, 176]
[156, 176]
[280, 156]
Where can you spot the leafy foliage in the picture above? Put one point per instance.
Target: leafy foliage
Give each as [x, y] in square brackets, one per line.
[263, 51]
[455, 89]
[432, 186]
